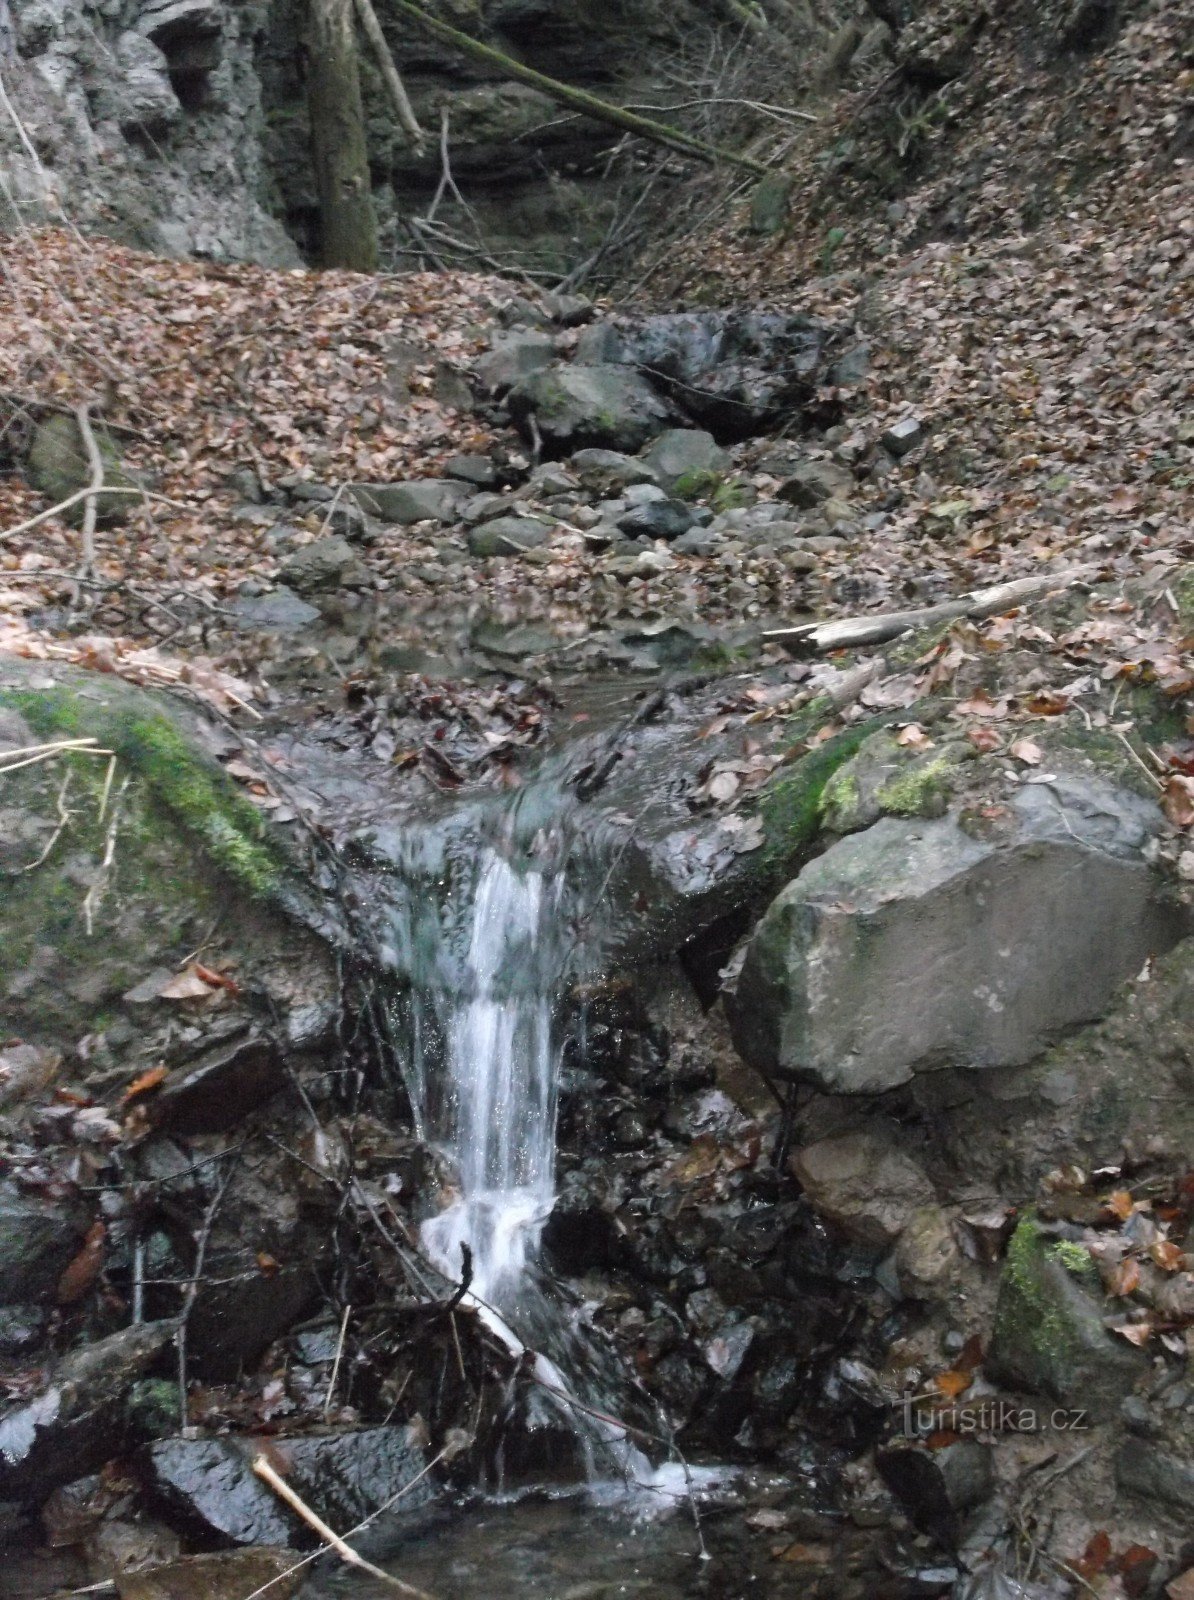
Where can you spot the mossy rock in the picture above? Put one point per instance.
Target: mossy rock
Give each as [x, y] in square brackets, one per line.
[886, 779]
[116, 866]
[1049, 1334]
[58, 467]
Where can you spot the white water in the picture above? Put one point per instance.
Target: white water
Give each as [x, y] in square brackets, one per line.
[485, 1088]
[498, 1101]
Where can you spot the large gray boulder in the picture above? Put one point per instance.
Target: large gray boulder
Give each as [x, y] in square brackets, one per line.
[420, 500]
[574, 407]
[920, 944]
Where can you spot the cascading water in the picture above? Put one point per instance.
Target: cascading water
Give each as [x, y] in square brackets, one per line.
[498, 1096]
[484, 934]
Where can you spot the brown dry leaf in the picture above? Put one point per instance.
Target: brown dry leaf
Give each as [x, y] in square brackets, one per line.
[980, 704]
[1182, 1588]
[953, 1383]
[1124, 1277]
[1168, 1256]
[268, 1265]
[188, 985]
[914, 737]
[143, 1084]
[1120, 1203]
[1177, 800]
[217, 980]
[1027, 751]
[1137, 1333]
[984, 739]
[85, 1268]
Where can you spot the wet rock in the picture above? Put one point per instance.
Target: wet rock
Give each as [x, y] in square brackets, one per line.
[220, 1090]
[419, 500]
[687, 461]
[656, 519]
[22, 1328]
[77, 1422]
[630, 1131]
[120, 1547]
[903, 437]
[733, 372]
[935, 1486]
[281, 609]
[514, 356]
[861, 1182]
[508, 536]
[602, 407]
[38, 1238]
[208, 1489]
[852, 366]
[58, 466]
[1154, 1474]
[1004, 941]
[226, 1575]
[324, 564]
[610, 471]
[1049, 1336]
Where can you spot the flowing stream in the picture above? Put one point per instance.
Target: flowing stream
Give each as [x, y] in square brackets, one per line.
[486, 937]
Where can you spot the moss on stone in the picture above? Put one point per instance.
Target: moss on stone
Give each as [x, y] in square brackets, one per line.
[697, 483]
[1074, 1258]
[192, 791]
[1182, 589]
[792, 807]
[920, 791]
[1029, 1314]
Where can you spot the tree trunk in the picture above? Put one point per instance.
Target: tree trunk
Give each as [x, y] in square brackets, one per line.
[348, 225]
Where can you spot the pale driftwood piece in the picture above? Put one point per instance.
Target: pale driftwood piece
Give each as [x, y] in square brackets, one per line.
[333, 1540]
[849, 633]
[389, 71]
[91, 505]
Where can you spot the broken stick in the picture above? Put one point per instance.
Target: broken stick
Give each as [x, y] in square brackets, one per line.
[333, 1540]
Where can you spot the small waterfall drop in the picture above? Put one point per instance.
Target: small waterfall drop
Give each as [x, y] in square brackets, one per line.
[498, 1100]
[485, 935]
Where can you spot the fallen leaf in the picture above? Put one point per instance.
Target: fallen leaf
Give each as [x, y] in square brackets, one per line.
[984, 739]
[1027, 751]
[142, 1085]
[82, 1272]
[1120, 1203]
[1168, 1256]
[914, 737]
[1124, 1277]
[188, 985]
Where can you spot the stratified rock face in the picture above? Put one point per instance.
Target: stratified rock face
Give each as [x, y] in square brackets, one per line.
[148, 122]
[919, 944]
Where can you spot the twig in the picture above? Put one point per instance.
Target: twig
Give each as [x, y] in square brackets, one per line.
[327, 1399]
[32, 753]
[352, 1532]
[333, 1540]
[64, 817]
[91, 507]
[73, 500]
[188, 1304]
[94, 895]
[389, 71]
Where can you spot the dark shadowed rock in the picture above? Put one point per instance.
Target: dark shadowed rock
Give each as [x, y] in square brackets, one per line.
[78, 1421]
[1152, 1473]
[38, 1237]
[208, 1487]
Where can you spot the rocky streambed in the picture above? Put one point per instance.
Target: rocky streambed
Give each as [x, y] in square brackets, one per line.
[873, 1147]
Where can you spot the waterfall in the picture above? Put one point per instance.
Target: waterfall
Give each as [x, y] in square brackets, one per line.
[497, 1102]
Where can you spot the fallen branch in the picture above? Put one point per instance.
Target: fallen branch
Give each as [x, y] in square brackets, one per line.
[333, 1540]
[82, 494]
[850, 633]
[91, 506]
[393, 78]
[578, 99]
